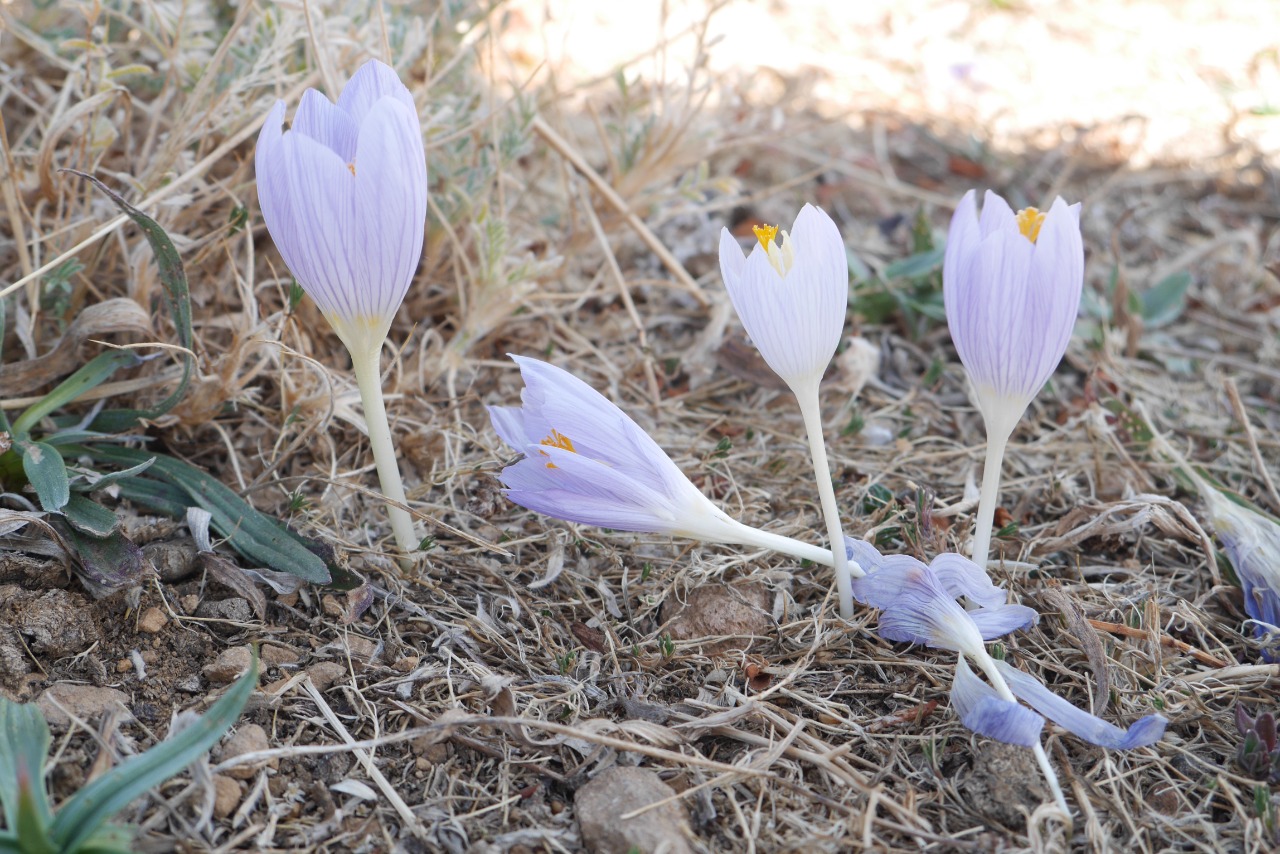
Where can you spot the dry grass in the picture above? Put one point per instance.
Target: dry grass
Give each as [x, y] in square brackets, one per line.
[575, 218]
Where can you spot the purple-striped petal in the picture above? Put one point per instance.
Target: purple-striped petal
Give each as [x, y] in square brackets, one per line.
[1095, 730]
[998, 621]
[371, 83]
[323, 121]
[982, 710]
[915, 609]
[391, 201]
[962, 577]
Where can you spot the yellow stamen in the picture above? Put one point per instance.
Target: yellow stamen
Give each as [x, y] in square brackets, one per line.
[1029, 222]
[352, 167]
[558, 440]
[765, 234]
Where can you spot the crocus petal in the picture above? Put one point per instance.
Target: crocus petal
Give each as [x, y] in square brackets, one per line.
[371, 83]
[982, 710]
[914, 608]
[998, 621]
[962, 577]
[1095, 730]
[391, 199]
[996, 215]
[508, 423]
[795, 318]
[863, 553]
[322, 120]
[963, 237]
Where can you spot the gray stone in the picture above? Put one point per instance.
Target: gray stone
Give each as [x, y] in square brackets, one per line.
[600, 804]
[86, 702]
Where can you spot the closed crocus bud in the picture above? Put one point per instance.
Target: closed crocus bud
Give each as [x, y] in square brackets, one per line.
[344, 194]
[791, 297]
[1011, 286]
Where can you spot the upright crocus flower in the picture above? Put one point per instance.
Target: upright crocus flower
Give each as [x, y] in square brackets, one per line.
[344, 195]
[791, 299]
[1011, 285]
[586, 461]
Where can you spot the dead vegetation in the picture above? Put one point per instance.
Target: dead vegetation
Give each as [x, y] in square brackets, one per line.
[575, 217]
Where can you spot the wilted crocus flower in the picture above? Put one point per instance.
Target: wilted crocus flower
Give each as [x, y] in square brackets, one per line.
[791, 299]
[1011, 286]
[344, 194]
[918, 605]
[586, 461]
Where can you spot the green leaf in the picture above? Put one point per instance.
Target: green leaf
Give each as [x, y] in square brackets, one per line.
[90, 517]
[46, 472]
[916, 266]
[91, 807]
[92, 374]
[250, 532]
[33, 836]
[109, 478]
[1164, 303]
[174, 279]
[24, 744]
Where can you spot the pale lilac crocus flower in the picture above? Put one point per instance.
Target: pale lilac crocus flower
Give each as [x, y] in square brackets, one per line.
[1011, 287]
[343, 192]
[791, 299]
[587, 461]
[918, 605]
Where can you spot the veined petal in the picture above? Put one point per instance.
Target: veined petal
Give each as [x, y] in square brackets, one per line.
[982, 710]
[863, 554]
[915, 609]
[998, 621]
[996, 215]
[312, 237]
[731, 257]
[990, 328]
[1055, 281]
[322, 120]
[962, 577]
[371, 83]
[963, 238]
[391, 202]
[508, 423]
[1095, 730]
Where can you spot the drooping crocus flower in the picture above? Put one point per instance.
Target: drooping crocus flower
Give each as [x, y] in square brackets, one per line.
[1011, 287]
[791, 299]
[918, 605]
[343, 192]
[1252, 544]
[586, 461]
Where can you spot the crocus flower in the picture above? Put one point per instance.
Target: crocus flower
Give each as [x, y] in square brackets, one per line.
[918, 605]
[343, 192]
[586, 461]
[1011, 286]
[791, 299]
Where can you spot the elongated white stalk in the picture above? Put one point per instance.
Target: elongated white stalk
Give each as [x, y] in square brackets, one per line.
[988, 665]
[807, 396]
[365, 364]
[989, 497]
[747, 536]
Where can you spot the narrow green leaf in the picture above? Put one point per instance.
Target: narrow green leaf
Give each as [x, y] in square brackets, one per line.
[91, 807]
[163, 498]
[917, 265]
[174, 279]
[46, 472]
[90, 517]
[1165, 302]
[254, 534]
[109, 478]
[33, 828]
[92, 374]
[24, 743]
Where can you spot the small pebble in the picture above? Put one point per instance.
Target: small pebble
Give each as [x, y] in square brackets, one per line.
[248, 738]
[227, 794]
[229, 664]
[152, 620]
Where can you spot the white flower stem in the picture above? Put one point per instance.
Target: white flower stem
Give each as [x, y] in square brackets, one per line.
[997, 441]
[988, 665]
[366, 365]
[748, 536]
[807, 396]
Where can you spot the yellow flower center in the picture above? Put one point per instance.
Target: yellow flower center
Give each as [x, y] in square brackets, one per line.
[1029, 222]
[558, 440]
[781, 258]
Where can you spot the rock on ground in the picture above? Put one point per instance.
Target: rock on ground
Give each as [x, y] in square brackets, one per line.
[736, 613]
[1005, 784]
[600, 804]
